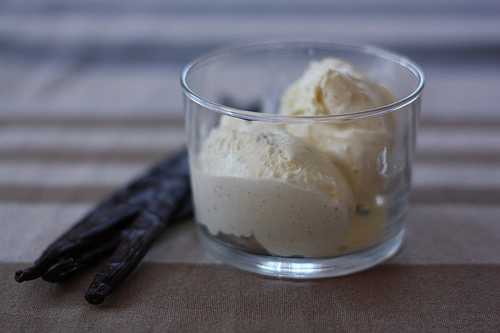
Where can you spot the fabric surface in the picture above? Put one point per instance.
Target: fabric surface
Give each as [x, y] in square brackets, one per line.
[209, 298]
[90, 96]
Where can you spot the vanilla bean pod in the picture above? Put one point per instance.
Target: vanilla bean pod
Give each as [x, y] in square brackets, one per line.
[126, 223]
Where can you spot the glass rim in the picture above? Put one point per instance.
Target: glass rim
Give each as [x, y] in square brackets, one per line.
[270, 117]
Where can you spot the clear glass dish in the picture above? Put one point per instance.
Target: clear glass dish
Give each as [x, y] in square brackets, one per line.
[272, 220]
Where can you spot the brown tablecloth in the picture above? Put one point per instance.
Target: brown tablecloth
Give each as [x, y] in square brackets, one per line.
[89, 97]
[211, 298]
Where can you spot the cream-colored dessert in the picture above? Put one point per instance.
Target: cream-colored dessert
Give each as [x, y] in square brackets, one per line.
[253, 180]
[334, 87]
[360, 148]
[303, 189]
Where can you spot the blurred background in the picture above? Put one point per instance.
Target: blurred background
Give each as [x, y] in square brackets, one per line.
[106, 56]
[97, 82]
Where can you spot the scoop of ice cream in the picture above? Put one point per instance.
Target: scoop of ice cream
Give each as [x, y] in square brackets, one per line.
[249, 150]
[271, 185]
[334, 87]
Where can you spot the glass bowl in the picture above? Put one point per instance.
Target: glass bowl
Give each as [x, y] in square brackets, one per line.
[266, 199]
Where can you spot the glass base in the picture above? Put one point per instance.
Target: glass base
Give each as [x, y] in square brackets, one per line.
[302, 268]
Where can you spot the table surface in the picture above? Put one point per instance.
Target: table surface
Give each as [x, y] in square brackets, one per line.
[89, 97]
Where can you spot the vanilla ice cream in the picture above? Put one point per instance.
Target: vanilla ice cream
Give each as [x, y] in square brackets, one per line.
[259, 181]
[303, 189]
[332, 86]
[360, 147]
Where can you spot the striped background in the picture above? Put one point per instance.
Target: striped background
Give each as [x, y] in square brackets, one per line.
[89, 96]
